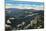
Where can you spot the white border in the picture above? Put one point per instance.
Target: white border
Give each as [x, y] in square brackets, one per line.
[2, 18]
[2, 15]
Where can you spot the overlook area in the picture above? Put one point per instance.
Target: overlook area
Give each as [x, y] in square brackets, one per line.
[27, 18]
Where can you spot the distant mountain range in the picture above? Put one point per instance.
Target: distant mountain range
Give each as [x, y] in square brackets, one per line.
[16, 9]
[19, 12]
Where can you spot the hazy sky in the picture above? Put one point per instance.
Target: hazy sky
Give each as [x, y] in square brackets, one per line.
[24, 3]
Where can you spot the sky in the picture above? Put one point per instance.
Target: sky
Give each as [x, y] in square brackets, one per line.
[24, 4]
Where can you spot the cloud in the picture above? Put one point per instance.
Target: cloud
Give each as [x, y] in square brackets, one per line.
[22, 5]
[27, 5]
